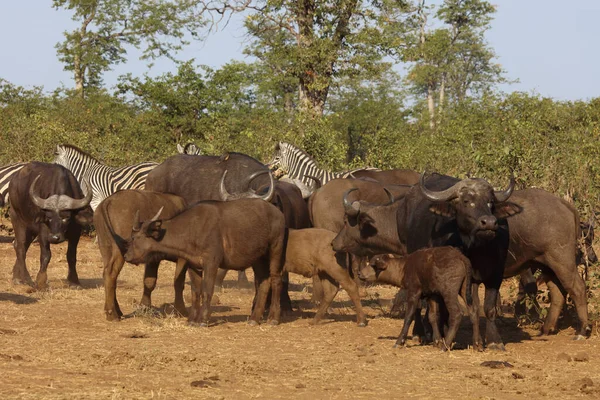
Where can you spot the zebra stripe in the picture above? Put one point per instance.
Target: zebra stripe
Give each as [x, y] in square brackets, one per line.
[190, 149]
[104, 180]
[6, 173]
[298, 164]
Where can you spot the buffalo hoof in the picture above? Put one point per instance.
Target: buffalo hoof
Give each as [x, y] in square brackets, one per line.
[112, 316]
[496, 346]
[399, 345]
[24, 282]
[362, 324]
[252, 323]
[313, 322]
[478, 347]
[273, 322]
[579, 337]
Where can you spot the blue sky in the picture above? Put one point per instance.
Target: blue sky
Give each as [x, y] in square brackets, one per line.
[551, 46]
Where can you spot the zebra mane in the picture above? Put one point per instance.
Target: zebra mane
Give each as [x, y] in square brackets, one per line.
[300, 151]
[78, 150]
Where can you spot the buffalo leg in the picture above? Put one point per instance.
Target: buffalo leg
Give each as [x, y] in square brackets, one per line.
[474, 316]
[150, 276]
[349, 285]
[112, 268]
[209, 273]
[73, 234]
[179, 285]
[454, 317]
[413, 302]
[575, 286]
[557, 301]
[23, 239]
[330, 289]
[433, 314]
[45, 256]
[261, 283]
[527, 290]
[355, 263]
[195, 275]
[317, 290]
[219, 279]
[492, 336]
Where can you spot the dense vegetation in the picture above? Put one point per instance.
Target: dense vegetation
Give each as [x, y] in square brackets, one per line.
[445, 115]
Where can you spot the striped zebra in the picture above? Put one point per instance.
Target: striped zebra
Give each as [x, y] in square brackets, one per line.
[104, 180]
[190, 149]
[6, 174]
[298, 165]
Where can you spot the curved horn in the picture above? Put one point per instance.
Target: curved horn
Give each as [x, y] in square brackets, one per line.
[271, 192]
[443, 195]
[348, 209]
[75, 204]
[157, 214]
[390, 195]
[318, 181]
[257, 173]
[225, 196]
[38, 201]
[136, 222]
[502, 196]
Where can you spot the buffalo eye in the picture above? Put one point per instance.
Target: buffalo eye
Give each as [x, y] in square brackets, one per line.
[490, 205]
[65, 220]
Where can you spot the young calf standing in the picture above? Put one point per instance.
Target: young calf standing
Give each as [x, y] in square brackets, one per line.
[309, 253]
[212, 235]
[429, 273]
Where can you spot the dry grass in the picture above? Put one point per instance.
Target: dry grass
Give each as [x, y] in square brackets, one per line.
[57, 345]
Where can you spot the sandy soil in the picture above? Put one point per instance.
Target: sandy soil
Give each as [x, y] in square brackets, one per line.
[58, 345]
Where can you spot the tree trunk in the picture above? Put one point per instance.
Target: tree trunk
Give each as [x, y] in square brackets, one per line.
[79, 73]
[431, 105]
[442, 98]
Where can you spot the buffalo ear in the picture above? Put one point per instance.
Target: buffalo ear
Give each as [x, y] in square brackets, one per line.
[364, 219]
[154, 230]
[444, 209]
[506, 209]
[85, 216]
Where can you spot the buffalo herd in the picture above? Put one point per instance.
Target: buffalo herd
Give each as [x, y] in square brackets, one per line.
[438, 237]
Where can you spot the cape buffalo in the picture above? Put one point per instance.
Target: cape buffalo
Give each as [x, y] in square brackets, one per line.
[429, 273]
[47, 202]
[113, 220]
[542, 230]
[220, 234]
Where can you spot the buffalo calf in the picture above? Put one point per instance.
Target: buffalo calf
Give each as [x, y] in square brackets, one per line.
[434, 273]
[309, 253]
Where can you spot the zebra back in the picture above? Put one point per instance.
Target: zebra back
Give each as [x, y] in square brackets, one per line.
[300, 165]
[6, 174]
[103, 179]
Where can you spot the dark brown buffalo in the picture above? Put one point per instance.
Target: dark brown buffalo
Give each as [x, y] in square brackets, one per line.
[113, 220]
[327, 209]
[47, 202]
[309, 254]
[542, 230]
[390, 176]
[198, 177]
[429, 273]
[287, 198]
[212, 235]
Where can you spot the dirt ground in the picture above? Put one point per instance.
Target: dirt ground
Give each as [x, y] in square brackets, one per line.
[58, 345]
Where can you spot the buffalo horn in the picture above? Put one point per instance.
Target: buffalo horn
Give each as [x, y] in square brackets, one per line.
[76, 204]
[318, 182]
[155, 218]
[502, 196]
[351, 211]
[136, 222]
[443, 195]
[390, 196]
[38, 201]
[225, 196]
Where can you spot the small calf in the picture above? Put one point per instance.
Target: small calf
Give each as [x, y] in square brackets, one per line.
[309, 253]
[428, 273]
